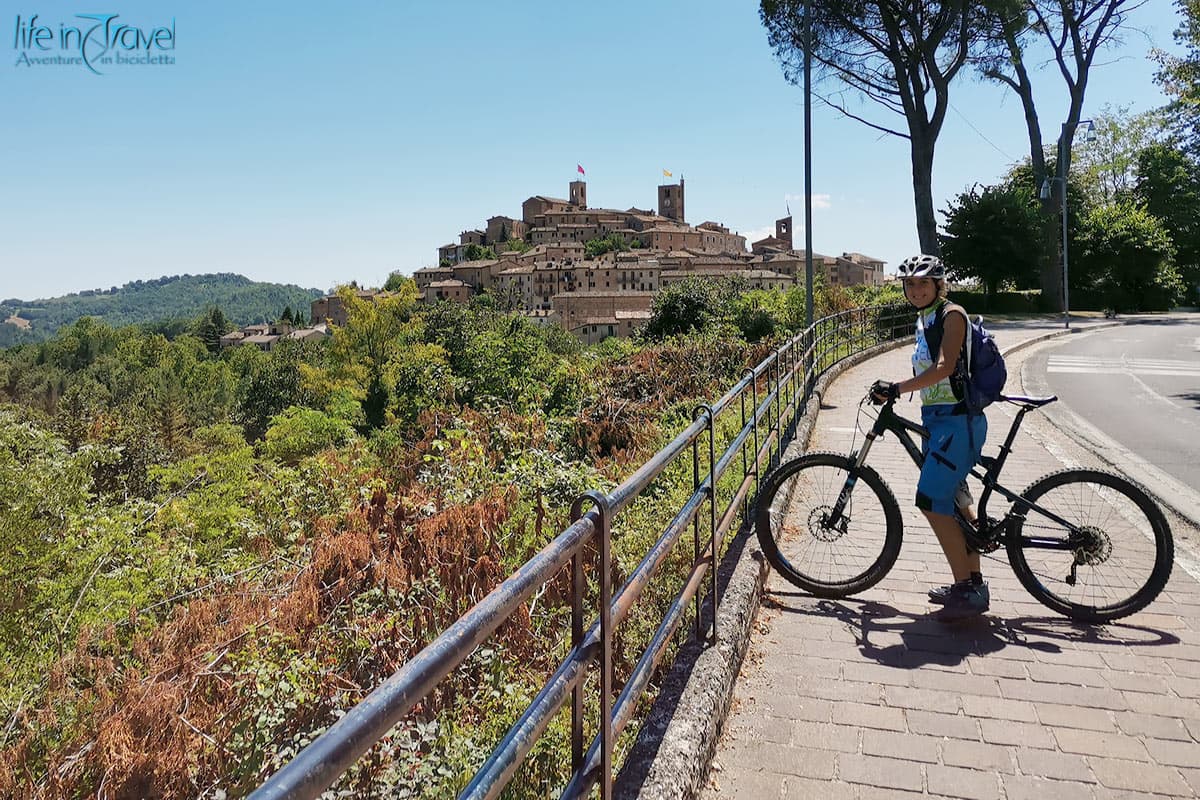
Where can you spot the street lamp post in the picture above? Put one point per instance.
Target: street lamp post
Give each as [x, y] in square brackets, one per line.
[808, 259]
[1061, 180]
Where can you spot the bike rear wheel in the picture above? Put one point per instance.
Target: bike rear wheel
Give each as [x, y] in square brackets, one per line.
[1114, 564]
[792, 523]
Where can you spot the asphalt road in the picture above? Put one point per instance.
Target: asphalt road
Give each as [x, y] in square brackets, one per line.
[1139, 384]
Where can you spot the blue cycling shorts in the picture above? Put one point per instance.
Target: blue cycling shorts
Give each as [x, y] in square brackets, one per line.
[954, 444]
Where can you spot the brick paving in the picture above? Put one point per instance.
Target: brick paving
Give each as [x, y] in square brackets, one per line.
[869, 697]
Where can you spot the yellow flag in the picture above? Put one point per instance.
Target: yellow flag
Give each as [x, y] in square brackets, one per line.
[666, 174]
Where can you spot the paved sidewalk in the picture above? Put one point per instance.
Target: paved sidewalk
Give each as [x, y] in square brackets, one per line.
[869, 698]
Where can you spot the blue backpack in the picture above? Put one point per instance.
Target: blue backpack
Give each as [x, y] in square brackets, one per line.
[982, 373]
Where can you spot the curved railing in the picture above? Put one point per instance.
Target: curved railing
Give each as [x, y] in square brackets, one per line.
[785, 380]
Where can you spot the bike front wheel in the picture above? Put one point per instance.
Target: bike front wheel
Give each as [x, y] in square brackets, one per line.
[823, 552]
[1114, 560]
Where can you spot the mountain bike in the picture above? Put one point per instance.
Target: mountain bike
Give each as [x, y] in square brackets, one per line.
[1086, 543]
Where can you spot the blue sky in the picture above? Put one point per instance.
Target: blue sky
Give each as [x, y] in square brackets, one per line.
[317, 144]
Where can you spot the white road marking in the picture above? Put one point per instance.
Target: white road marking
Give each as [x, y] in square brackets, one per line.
[1085, 365]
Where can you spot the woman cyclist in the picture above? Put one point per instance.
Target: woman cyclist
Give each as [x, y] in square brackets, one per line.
[955, 437]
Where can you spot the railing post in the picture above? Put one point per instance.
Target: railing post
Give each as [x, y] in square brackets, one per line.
[745, 464]
[576, 641]
[781, 400]
[754, 423]
[696, 522]
[712, 508]
[606, 656]
[779, 409]
[707, 411]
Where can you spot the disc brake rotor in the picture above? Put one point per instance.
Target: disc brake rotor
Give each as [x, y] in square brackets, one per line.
[819, 527]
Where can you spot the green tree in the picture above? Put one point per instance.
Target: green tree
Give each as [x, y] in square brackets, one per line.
[1179, 77]
[613, 242]
[692, 304]
[1107, 161]
[269, 383]
[395, 281]
[1073, 32]
[297, 433]
[477, 252]
[901, 55]
[43, 486]
[210, 327]
[1127, 254]
[376, 330]
[994, 235]
[1168, 185]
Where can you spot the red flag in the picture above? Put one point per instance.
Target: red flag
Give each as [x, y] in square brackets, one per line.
[580, 168]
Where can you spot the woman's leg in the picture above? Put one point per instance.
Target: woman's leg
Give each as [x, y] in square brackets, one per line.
[954, 545]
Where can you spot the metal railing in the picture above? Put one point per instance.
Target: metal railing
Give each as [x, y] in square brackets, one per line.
[784, 380]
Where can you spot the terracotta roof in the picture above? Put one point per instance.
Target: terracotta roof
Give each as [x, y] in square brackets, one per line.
[629, 295]
[762, 273]
[860, 258]
[451, 284]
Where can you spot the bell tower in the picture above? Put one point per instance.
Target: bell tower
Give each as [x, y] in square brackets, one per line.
[578, 194]
[783, 231]
[670, 200]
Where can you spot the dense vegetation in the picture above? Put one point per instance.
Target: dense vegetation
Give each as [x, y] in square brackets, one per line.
[147, 302]
[209, 556]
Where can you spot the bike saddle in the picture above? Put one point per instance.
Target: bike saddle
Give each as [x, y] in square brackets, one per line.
[1032, 402]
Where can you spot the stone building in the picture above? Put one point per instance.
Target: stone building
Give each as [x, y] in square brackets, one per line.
[593, 316]
[554, 279]
[455, 291]
[331, 309]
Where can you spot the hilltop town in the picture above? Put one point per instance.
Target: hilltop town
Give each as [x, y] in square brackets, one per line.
[594, 271]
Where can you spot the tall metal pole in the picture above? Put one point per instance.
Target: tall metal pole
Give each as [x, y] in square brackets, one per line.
[1062, 171]
[808, 259]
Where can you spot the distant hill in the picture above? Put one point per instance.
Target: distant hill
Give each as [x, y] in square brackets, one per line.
[175, 297]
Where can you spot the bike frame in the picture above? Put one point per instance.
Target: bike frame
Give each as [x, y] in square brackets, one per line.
[889, 420]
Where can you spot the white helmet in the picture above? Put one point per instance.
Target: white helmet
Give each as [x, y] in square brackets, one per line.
[921, 266]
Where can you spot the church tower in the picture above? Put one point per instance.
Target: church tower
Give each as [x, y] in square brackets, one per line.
[783, 231]
[578, 194]
[670, 200]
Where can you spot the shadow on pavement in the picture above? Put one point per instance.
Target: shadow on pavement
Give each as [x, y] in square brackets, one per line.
[924, 640]
[1191, 397]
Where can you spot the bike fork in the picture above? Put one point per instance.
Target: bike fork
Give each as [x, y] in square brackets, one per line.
[860, 458]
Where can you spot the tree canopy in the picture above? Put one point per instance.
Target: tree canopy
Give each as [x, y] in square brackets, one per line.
[901, 56]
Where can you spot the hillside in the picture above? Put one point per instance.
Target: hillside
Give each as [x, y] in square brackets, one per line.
[173, 297]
